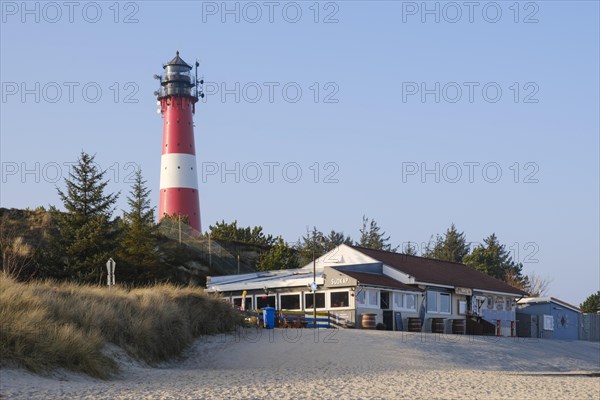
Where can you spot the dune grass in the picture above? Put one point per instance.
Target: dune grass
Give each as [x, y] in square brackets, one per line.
[48, 325]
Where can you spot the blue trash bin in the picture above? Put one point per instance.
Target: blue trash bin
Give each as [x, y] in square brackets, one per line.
[269, 317]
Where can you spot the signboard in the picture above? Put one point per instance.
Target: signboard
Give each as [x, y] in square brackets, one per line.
[342, 318]
[463, 291]
[399, 325]
[477, 303]
[333, 278]
[462, 307]
[499, 303]
[110, 266]
[548, 323]
[339, 281]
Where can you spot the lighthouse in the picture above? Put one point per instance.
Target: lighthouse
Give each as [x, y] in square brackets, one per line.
[177, 96]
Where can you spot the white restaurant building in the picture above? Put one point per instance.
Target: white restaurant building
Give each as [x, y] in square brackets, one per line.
[397, 288]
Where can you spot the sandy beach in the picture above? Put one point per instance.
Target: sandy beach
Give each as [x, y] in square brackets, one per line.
[291, 364]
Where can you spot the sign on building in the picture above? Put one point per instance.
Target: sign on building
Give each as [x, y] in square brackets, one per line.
[548, 323]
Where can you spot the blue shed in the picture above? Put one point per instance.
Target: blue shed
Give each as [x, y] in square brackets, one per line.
[547, 317]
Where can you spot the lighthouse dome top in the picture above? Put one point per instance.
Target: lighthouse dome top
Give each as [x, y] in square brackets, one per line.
[177, 61]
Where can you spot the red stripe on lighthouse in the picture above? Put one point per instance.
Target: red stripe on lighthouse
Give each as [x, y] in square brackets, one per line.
[178, 129]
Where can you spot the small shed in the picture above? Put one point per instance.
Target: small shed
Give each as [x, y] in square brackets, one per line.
[548, 318]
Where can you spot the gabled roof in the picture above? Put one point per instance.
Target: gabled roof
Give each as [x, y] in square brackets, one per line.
[437, 272]
[538, 300]
[370, 279]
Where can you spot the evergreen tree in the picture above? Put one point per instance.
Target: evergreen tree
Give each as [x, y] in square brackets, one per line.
[591, 304]
[231, 232]
[493, 259]
[317, 243]
[280, 256]
[409, 250]
[312, 244]
[452, 247]
[335, 239]
[138, 246]
[86, 236]
[371, 236]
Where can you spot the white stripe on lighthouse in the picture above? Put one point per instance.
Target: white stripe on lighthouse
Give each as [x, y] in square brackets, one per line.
[178, 170]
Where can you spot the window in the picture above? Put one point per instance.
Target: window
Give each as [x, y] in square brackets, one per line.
[398, 300]
[438, 302]
[410, 301]
[339, 299]
[265, 301]
[431, 301]
[360, 297]
[385, 300]
[404, 301]
[308, 300]
[289, 301]
[367, 297]
[238, 302]
[445, 303]
[372, 297]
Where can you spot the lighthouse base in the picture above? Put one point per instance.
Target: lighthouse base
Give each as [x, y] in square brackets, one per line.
[181, 202]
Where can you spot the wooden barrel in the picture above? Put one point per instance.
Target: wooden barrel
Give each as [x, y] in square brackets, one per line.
[458, 326]
[414, 324]
[438, 325]
[368, 321]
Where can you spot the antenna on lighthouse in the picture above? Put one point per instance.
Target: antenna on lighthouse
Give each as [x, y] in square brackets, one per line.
[199, 83]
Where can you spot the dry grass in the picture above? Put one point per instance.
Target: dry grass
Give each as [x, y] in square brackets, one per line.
[45, 325]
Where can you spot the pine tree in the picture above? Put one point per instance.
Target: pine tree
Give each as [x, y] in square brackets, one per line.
[591, 304]
[335, 239]
[316, 243]
[230, 231]
[409, 250]
[312, 244]
[280, 256]
[371, 236]
[493, 259]
[138, 246]
[86, 235]
[452, 247]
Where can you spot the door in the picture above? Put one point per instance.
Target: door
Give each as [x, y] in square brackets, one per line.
[388, 320]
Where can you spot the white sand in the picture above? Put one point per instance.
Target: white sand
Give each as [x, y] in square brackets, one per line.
[341, 364]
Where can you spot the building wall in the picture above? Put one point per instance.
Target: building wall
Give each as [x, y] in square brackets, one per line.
[448, 317]
[404, 312]
[565, 321]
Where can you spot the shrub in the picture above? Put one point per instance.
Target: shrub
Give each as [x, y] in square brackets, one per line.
[46, 325]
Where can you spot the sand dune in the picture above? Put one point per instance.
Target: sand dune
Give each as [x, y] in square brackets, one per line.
[291, 364]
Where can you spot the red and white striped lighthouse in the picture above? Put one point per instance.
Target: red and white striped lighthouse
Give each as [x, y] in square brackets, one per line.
[177, 97]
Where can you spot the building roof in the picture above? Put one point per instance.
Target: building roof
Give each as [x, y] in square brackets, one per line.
[538, 300]
[178, 61]
[370, 279]
[427, 270]
[259, 280]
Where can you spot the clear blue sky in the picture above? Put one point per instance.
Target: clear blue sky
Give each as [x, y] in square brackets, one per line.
[373, 58]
